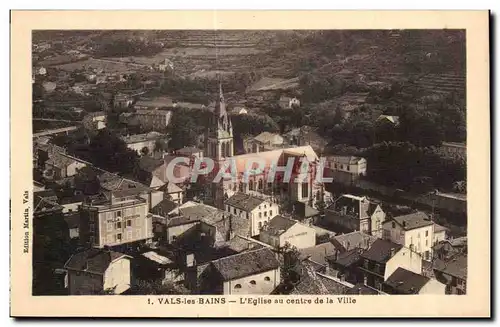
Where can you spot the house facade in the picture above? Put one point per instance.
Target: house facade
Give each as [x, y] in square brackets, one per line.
[351, 213]
[139, 142]
[452, 271]
[382, 258]
[281, 230]
[405, 282]
[153, 120]
[95, 271]
[349, 164]
[414, 231]
[257, 210]
[61, 165]
[115, 219]
[254, 272]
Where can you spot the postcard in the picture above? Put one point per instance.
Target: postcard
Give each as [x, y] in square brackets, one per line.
[250, 164]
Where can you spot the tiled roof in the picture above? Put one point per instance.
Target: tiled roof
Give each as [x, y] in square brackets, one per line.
[311, 282]
[43, 205]
[346, 258]
[353, 240]
[319, 252]
[60, 160]
[239, 244]
[406, 282]
[346, 160]
[266, 137]
[278, 225]
[93, 261]
[246, 264]
[164, 207]
[361, 289]
[455, 266]
[245, 202]
[170, 188]
[439, 228]
[413, 220]
[381, 251]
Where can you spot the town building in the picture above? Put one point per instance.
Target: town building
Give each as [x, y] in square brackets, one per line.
[286, 102]
[404, 282]
[257, 210]
[61, 165]
[394, 120]
[153, 103]
[382, 258]
[117, 215]
[448, 248]
[172, 192]
[95, 120]
[94, 272]
[122, 101]
[255, 272]
[153, 120]
[452, 271]
[350, 164]
[454, 148]
[280, 231]
[306, 135]
[140, 142]
[265, 141]
[414, 231]
[190, 152]
[355, 213]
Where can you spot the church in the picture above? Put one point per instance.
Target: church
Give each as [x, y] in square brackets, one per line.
[219, 146]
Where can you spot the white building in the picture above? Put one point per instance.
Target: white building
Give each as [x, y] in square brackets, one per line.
[281, 230]
[414, 231]
[350, 164]
[257, 210]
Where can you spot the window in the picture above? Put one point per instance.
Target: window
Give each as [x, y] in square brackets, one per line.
[118, 237]
[110, 227]
[118, 214]
[129, 223]
[393, 225]
[267, 279]
[335, 166]
[305, 190]
[341, 166]
[265, 213]
[348, 168]
[260, 184]
[251, 185]
[426, 233]
[426, 242]
[237, 286]
[252, 282]
[234, 210]
[118, 225]
[260, 225]
[260, 214]
[270, 213]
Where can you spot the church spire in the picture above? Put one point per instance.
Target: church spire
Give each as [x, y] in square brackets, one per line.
[220, 111]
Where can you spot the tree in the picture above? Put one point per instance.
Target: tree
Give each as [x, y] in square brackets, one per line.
[290, 267]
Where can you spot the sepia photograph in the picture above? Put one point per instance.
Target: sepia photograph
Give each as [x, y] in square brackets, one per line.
[256, 163]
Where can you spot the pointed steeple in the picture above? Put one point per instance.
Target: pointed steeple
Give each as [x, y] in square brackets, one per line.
[220, 111]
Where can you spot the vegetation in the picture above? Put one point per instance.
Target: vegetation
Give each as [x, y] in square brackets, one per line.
[127, 47]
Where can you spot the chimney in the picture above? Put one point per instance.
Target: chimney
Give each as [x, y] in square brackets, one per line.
[393, 252]
[404, 223]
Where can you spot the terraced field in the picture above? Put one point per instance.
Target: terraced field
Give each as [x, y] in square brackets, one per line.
[442, 83]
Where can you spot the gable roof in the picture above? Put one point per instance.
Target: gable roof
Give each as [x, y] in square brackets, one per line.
[345, 160]
[267, 137]
[406, 282]
[170, 187]
[381, 251]
[245, 202]
[164, 207]
[42, 205]
[94, 261]
[346, 258]
[413, 220]
[246, 264]
[455, 266]
[278, 225]
[61, 160]
[353, 240]
[318, 253]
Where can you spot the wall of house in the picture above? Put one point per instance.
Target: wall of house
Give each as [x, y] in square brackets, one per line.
[406, 259]
[377, 219]
[84, 283]
[174, 232]
[438, 237]
[118, 276]
[261, 215]
[344, 222]
[270, 239]
[138, 146]
[69, 207]
[141, 225]
[262, 286]
[393, 232]
[433, 287]
[420, 240]
[72, 169]
[156, 197]
[300, 236]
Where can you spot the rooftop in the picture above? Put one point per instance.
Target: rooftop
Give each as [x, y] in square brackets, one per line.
[93, 261]
[346, 160]
[381, 251]
[136, 138]
[413, 220]
[406, 282]
[245, 202]
[455, 266]
[353, 240]
[246, 264]
[319, 252]
[278, 225]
